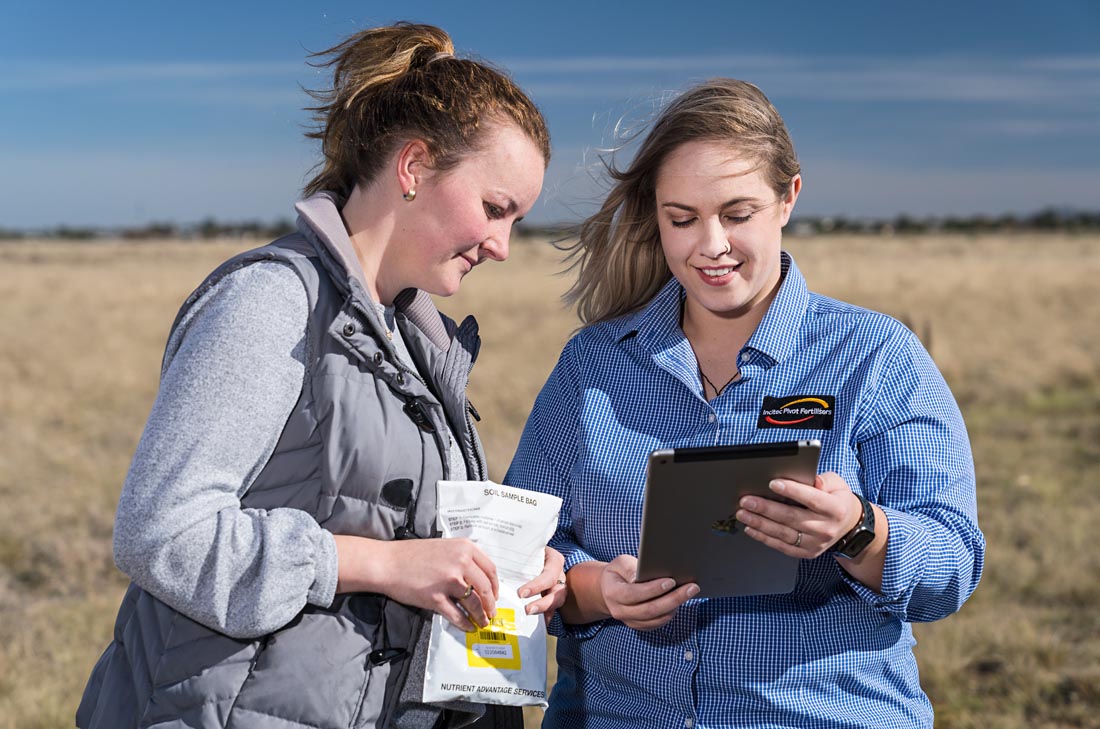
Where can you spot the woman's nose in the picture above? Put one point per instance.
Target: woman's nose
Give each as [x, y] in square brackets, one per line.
[496, 245]
[715, 242]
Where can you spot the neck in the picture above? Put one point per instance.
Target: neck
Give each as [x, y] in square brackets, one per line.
[729, 330]
[370, 223]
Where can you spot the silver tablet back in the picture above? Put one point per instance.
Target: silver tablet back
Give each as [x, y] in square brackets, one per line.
[688, 531]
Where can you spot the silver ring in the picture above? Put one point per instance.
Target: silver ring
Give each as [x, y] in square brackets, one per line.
[798, 540]
[561, 580]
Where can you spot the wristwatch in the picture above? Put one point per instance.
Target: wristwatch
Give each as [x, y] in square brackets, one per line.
[855, 541]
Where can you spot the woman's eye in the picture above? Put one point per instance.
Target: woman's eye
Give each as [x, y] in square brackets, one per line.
[739, 218]
[495, 212]
[682, 223]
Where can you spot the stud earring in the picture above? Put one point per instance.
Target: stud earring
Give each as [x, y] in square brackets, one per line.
[410, 195]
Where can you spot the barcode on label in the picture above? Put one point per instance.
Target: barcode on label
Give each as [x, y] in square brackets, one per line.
[491, 635]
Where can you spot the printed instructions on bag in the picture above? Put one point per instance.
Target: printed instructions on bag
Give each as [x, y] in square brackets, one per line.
[504, 663]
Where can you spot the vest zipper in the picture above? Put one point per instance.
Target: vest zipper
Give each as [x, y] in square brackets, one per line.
[248, 676]
[479, 457]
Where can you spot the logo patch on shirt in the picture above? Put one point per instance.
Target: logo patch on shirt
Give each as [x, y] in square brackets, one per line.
[798, 411]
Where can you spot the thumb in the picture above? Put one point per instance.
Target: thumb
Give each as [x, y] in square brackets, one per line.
[830, 482]
[624, 567]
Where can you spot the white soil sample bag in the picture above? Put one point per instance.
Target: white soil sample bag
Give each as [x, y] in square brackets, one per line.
[504, 663]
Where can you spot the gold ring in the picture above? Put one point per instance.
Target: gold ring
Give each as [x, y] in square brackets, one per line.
[469, 591]
[798, 540]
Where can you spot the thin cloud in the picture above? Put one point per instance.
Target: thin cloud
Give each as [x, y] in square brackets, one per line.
[941, 78]
[83, 75]
[936, 78]
[1034, 128]
[637, 64]
[1086, 64]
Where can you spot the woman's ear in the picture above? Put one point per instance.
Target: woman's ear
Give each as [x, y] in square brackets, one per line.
[790, 198]
[412, 163]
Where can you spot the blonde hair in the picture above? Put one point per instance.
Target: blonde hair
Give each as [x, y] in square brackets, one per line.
[618, 257]
[399, 82]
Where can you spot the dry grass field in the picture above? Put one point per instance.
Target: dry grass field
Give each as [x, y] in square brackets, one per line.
[1012, 322]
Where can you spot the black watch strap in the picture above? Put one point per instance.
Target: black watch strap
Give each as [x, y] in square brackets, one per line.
[857, 540]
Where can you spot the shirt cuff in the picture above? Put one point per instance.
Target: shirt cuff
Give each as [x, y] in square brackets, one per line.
[323, 590]
[907, 543]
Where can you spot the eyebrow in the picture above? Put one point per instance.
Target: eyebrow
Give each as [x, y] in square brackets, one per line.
[728, 203]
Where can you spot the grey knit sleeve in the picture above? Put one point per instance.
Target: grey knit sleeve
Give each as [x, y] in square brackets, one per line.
[233, 372]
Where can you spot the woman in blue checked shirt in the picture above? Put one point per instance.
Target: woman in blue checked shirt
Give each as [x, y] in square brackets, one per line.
[695, 320]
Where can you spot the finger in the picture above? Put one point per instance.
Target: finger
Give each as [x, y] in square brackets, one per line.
[482, 587]
[474, 606]
[778, 545]
[490, 570]
[553, 558]
[782, 531]
[637, 593]
[546, 580]
[553, 573]
[552, 600]
[771, 509]
[542, 605]
[664, 605]
[812, 498]
[661, 611]
[449, 609]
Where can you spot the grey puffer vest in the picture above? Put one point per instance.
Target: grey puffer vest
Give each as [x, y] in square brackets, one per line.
[361, 452]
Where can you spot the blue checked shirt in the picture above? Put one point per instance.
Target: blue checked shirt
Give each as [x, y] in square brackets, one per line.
[833, 653]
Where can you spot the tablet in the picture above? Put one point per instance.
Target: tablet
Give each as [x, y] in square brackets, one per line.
[688, 529]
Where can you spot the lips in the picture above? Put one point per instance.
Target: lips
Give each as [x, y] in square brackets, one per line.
[470, 263]
[718, 275]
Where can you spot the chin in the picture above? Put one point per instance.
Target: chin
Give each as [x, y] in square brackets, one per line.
[725, 306]
[443, 288]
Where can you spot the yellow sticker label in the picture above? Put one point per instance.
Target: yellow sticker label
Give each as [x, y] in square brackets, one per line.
[495, 646]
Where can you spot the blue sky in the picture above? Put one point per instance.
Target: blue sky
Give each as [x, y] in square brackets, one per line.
[124, 113]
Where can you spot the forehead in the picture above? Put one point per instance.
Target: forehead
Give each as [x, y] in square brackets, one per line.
[702, 168]
[507, 162]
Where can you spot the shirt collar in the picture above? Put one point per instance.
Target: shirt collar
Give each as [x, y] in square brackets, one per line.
[777, 333]
[658, 323]
[659, 318]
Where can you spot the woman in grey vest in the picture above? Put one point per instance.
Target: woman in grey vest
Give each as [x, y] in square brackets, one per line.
[278, 519]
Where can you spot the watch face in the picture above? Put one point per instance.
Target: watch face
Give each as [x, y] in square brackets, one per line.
[858, 542]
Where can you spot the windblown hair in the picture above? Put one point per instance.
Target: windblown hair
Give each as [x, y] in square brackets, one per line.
[401, 82]
[618, 257]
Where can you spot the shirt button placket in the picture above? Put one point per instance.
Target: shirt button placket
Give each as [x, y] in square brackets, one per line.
[689, 619]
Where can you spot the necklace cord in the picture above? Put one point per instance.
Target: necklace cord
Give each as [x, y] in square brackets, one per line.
[718, 390]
